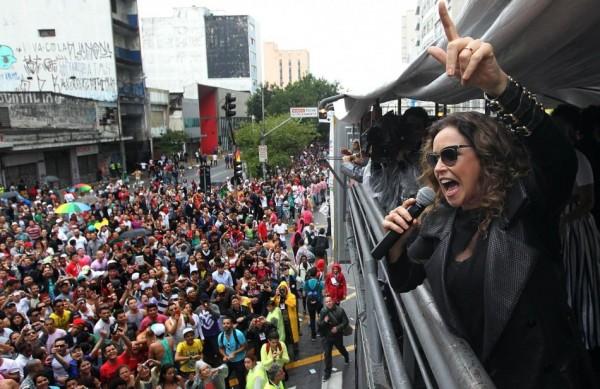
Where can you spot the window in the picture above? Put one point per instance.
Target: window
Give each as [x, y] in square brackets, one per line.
[289, 70]
[113, 6]
[299, 71]
[4, 117]
[47, 33]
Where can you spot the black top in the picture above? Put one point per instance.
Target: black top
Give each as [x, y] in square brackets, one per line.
[464, 280]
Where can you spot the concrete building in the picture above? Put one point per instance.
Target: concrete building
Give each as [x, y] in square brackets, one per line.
[159, 111]
[421, 27]
[428, 25]
[195, 46]
[408, 36]
[51, 134]
[283, 67]
[84, 49]
[204, 119]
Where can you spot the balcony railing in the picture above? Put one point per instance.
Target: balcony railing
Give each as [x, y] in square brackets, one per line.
[132, 89]
[132, 56]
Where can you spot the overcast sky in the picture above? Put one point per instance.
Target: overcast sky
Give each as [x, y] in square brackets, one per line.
[354, 42]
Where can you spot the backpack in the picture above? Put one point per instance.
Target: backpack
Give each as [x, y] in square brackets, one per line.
[312, 296]
[235, 338]
[320, 243]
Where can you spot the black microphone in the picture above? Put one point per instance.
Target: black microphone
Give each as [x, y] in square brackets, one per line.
[425, 197]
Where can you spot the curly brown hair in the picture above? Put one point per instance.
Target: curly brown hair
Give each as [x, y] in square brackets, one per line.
[502, 157]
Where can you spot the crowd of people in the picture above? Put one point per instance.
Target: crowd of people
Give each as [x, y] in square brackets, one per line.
[165, 286]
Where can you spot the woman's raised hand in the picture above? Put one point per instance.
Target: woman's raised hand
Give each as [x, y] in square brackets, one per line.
[472, 61]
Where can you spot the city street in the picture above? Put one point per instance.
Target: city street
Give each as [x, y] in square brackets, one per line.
[307, 370]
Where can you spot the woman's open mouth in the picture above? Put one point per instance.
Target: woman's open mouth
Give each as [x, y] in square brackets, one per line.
[450, 187]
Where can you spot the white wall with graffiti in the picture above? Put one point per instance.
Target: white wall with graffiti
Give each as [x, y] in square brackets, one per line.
[52, 46]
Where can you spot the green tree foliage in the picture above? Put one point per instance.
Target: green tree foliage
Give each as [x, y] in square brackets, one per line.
[304, 93]
[289, 139]
[171, 142]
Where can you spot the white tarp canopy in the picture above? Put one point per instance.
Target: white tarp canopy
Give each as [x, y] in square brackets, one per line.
[551, 46]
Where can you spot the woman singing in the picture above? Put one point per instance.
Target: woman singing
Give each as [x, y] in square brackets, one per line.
[489, 247]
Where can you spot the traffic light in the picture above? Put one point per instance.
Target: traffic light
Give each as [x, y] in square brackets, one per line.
[204, 177]
[238, 173]
[229, 106]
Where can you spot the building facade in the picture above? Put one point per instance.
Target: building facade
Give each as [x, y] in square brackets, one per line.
[195, 46]
[421, 27]
[89, 50]
[47, 134]
[283, 67]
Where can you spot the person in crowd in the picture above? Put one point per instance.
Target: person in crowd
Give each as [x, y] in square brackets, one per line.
[332, 323]
[489, 246]
[580, 238]
[189, 351]
[232, 346]
[275, 377]
[313, 291]
[274, 351]
[98, 309]
[287, 304]
[207, 376]
[335, 284]
[257, 376]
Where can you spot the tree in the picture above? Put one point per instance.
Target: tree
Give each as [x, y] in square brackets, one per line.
[288, 140]
[171, 142]
[304, 93]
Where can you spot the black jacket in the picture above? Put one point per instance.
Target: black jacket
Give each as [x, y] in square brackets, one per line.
[530, 339]
[336, 318]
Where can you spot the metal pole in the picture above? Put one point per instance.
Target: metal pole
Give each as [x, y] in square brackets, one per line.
[262, 130]
[122, 144]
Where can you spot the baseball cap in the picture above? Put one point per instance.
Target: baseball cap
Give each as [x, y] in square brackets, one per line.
[135, 276]
[187, 330]
[59, 220]
[220, 288]
[189, 290]
[78, 323]
[157, 329]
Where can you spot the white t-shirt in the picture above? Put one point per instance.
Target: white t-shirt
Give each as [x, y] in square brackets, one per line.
[101, 325]
[281, 229]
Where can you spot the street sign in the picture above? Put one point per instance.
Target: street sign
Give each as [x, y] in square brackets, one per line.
[262, 153]
[304, 112]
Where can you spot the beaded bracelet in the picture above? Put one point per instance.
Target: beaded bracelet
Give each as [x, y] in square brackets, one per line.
[522, 119]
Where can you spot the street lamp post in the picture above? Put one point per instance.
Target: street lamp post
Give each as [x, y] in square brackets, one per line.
[262, 131]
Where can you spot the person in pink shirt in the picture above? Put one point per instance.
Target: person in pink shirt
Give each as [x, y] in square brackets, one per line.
[153, 317]
[82, 258]
[307, 216]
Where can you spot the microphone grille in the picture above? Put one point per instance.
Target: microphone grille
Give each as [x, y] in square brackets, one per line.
[425, 196]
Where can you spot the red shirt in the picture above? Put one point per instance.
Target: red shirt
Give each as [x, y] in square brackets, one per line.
[108, 370]
[73, 268]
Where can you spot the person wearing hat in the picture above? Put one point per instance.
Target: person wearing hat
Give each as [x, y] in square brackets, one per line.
[221, 297]
[188, 352]
[162, 348]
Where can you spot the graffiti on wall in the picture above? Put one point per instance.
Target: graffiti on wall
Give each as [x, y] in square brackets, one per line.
[83, 69]
[7, 57]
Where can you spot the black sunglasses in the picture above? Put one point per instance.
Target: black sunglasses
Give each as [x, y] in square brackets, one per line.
[448, 154]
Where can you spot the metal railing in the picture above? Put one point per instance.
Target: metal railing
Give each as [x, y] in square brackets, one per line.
[415, 351]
